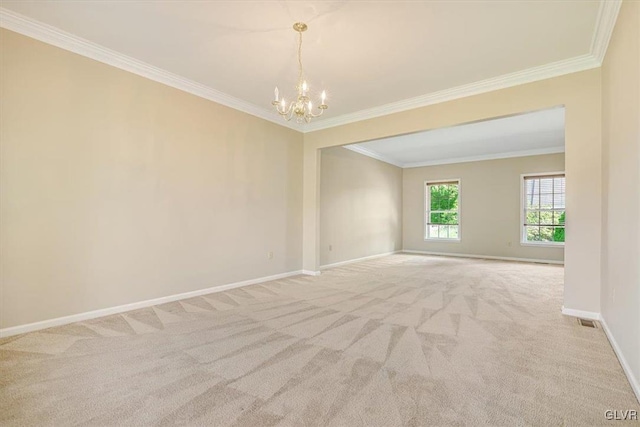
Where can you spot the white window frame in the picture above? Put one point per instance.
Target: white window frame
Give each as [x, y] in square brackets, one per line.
[427, 211]
[523, 208]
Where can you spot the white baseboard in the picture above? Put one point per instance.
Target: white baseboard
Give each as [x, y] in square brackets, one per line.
[36, 326]
[501, 258]
[311, 273]
[591, 315]
[351, 261]
[633, 381]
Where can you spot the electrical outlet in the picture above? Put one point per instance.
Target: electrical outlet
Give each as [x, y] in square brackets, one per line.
[330, 248]
[269, 255]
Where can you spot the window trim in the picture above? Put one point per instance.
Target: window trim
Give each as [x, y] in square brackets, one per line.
[523, 239]
[427, 210]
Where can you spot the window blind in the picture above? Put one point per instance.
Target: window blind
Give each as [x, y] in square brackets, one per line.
[544, 208]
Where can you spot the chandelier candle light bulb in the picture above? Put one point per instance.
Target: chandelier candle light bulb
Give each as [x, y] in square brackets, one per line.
[302, 107]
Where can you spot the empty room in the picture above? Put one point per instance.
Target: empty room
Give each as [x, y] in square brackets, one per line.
[319, 213]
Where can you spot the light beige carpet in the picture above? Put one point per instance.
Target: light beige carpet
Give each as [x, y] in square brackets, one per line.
[402, 340]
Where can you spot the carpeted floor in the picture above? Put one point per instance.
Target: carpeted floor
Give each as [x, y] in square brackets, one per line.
[402, 340]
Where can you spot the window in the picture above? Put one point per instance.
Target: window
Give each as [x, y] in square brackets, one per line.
[543, 210]
[443, 210]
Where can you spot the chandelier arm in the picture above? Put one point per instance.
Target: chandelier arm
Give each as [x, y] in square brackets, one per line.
[310, 114]
[285, 111]
[289, 114]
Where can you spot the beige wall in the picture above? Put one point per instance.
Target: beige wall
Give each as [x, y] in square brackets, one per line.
[621, 184]
[580, 93]
[489, 207]
[360, 206]
[117, 189]
[121, 160]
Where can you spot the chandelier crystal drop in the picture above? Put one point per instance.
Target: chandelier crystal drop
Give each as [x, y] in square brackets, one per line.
[302, 108]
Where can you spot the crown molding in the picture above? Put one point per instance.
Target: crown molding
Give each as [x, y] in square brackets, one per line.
[358, 149]
[56, 37]
[555, 69]
[605, 23]
[496, 156]
[450, 160]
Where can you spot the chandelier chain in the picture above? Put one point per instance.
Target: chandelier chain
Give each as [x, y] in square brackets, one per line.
[300, 59]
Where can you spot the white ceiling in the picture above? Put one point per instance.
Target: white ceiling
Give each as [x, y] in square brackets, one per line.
[370, 56]
[540, 132]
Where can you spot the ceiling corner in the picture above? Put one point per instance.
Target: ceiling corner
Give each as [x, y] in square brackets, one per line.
[546, 71]
[54, 36]
[605, 22]
[372, 154]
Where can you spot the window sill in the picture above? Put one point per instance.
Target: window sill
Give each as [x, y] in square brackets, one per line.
[435, 239]
[543, 245]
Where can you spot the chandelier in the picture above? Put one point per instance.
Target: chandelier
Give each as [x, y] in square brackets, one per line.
[302, 107]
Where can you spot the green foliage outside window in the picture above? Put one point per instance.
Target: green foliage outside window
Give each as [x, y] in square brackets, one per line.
[544, 204]
[558, 233]
[545, 226]
[444, 204]
[442, 222]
